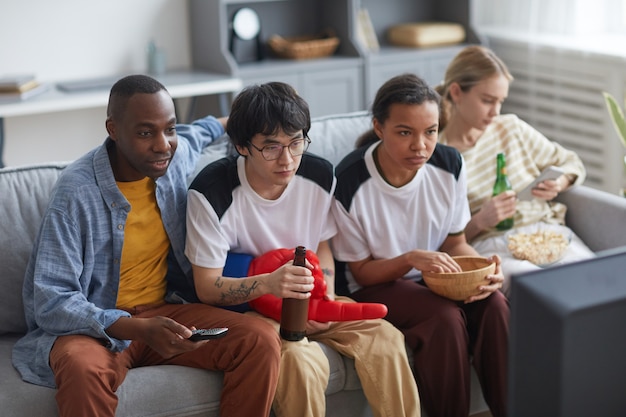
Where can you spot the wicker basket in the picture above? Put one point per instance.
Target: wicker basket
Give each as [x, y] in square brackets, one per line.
[303, 47]
[459, 286]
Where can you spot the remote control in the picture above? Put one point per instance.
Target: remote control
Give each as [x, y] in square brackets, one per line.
[207, 334]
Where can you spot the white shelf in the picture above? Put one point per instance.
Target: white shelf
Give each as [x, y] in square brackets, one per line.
[178, 83]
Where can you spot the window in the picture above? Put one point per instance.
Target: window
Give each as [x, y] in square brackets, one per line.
[553, 17]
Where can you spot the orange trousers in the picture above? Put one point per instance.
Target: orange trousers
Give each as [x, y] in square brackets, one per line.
[88, 375]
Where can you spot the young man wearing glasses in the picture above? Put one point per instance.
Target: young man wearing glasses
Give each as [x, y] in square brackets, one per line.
[274, 195]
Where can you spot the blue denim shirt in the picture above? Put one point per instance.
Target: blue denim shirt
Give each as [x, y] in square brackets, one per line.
[73, 274]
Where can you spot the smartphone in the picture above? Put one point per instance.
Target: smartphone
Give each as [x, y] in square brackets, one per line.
[208, 334]
[550, 173]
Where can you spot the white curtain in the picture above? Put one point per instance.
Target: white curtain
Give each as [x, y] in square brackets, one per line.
[553, 17]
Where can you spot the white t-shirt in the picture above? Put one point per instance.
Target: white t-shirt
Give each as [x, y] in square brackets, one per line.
[377, 219]
[225, 214]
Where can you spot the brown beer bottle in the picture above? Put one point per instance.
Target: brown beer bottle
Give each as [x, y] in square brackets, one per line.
[295, 311]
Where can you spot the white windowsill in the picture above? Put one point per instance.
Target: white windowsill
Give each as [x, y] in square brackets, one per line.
[612, 46]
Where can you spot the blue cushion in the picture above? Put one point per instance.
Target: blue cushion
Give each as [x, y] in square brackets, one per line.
[237, 265]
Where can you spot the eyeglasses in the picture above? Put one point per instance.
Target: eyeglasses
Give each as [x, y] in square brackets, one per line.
[272, 152]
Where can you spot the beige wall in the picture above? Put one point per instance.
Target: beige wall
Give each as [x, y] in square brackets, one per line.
[74, 39]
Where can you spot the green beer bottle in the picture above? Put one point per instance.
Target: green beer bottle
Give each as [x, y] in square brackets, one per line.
[502, 184]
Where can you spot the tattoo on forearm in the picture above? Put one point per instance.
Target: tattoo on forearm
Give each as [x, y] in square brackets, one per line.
[236, 294]
[219, 283]
[328, 272]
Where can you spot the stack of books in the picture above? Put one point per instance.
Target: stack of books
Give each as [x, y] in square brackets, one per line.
[20, 87]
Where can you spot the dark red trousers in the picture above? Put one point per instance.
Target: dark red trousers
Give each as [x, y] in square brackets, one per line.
[445, 336]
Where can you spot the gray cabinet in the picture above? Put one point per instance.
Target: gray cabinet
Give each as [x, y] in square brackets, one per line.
[428, 63]
[329, 85]
[336, 91]
[343, 82]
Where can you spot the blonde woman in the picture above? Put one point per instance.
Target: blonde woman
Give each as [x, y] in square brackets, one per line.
[475, 86]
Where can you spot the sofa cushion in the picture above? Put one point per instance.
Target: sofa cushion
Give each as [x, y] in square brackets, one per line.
[220, 148]
[190, 392]
[349, 125]
[25, 192]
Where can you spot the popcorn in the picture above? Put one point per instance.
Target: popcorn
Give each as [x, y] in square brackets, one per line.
[541, 248]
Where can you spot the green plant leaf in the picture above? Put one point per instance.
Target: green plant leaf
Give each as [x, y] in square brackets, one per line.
[617, 116]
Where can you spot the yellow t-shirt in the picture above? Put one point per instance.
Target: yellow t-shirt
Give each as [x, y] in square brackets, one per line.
[146, 245]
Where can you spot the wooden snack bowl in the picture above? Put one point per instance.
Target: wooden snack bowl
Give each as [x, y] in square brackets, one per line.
[459, 286]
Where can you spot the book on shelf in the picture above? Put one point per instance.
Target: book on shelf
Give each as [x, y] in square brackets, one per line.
[366, 34]
[18, 83]
[33, 91]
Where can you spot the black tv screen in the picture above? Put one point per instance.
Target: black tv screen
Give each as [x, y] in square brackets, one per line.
[567, 346]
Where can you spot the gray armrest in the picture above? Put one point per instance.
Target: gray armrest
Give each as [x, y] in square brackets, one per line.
[597, 217]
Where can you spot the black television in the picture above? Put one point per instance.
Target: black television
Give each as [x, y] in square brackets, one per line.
[567, 345]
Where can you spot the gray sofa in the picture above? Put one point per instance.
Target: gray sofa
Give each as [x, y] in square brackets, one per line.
[177, 391]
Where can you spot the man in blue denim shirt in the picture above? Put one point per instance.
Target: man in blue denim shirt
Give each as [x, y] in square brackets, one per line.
[94, 291]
